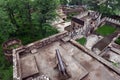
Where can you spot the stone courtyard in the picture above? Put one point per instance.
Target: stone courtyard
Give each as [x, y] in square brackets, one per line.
[79, 65]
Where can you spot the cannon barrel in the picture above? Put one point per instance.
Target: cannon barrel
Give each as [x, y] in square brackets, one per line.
[60, 62]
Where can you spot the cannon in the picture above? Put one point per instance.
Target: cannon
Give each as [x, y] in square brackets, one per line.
[61, 65]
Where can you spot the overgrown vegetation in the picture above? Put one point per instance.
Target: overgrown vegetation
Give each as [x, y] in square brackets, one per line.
[26, 17]
[115, 64]
[105, 30]
[27, 38]
[6, 69]
[82, 41]
[27, 20]
[109, 7]
[13, 46]
[117, 40]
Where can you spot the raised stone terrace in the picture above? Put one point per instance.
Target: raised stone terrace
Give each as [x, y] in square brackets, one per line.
[79, 64]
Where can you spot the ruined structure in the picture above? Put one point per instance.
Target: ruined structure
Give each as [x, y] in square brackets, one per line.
[84, 23]
[37, 61]
[61, 13]
[8, 46]
[72, 9]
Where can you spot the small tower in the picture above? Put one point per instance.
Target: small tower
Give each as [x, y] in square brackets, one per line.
[8, 46]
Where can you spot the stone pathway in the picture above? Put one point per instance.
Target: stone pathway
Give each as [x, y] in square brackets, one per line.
[91, 40]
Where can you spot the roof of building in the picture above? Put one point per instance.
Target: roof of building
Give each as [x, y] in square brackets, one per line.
[78, 20]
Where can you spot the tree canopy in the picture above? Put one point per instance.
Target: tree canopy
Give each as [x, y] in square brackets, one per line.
[25, 17]
[63, 2]
[27, 20]
[109, 7]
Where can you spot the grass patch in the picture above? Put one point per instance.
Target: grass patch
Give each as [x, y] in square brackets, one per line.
[105, 30]
[115, 64]
[117, 41]
[81, 41]
[13, 46]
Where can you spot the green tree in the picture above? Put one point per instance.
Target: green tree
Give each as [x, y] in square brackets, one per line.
[76, 2]
[27, 20]
[63, 2]
[27, 17]
[6, 27]
[49, 30]
[45, 11]
[104, 6]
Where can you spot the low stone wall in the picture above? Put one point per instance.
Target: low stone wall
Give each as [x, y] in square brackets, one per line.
[11, 42]
[45, 41]
[116, 46]
[16, 66]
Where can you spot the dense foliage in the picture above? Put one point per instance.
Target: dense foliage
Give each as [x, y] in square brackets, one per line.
[64, 2]
[6, 68]
[25, 17]
[28, 20]
[107, 7]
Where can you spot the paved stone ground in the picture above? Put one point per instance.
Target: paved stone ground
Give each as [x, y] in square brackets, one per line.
[28, 65]
[47, 62]
[78, 63]
[92, 40]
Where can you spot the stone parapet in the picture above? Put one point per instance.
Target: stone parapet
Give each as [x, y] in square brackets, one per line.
[45, 41]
